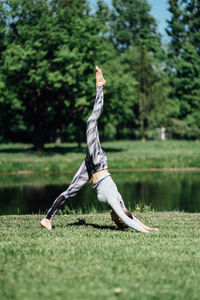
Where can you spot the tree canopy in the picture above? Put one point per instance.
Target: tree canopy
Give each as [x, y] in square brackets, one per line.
[184, 66]
[48, 53]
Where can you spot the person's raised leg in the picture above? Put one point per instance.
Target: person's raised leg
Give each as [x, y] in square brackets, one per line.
[80, 179]
[92, 135]
[100, 81]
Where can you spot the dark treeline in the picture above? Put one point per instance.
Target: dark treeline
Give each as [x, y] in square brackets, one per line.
[48, 52]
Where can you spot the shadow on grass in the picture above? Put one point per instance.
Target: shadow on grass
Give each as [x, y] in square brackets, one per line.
[47, 150]
[72, 149]
[16, 150]
[82, 222]
[54, 150]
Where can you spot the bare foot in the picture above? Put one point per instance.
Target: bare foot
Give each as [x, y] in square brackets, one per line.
[46, 223]
[153, 229]
[100, 81]
[144, 231]
[147, 227]
[150, 228]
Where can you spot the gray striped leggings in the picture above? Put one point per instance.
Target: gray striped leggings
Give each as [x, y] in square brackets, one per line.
[95, 160]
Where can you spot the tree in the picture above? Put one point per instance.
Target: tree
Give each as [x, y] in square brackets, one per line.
[176, 27]
[120, 91]
[184, 65]
[153, 105]
[134, 34]
[10, 106]
[48, 62]
[133, 25]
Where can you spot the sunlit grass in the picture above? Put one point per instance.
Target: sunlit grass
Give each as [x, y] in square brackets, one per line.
[67, 157]
[86, 257]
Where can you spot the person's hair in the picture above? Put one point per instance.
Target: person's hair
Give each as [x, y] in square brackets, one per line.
[120, 224]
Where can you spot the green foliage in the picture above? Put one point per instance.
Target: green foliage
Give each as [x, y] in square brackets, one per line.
[52, 57]
[153, 106]
[134, 33]
[184, 67]
[48, 53]
[120, 93]
[132, 24]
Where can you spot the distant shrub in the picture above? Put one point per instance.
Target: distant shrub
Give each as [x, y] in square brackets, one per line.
[178, 129]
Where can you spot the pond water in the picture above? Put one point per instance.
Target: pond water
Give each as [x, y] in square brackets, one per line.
[159, 191]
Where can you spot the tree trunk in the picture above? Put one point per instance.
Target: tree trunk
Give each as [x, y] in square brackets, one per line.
[143, 126]
[38, 133]
[58, 136]
[38, 136]
[79, 144]
[144, 135]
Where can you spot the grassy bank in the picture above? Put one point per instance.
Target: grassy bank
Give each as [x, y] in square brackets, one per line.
[41, 179]
[122, 155]
[86, 257]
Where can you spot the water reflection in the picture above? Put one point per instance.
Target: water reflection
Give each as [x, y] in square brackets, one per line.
[161, 190]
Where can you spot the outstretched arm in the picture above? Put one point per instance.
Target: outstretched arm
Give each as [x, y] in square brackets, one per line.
[123, 207]
[145, 226]
[133, 223]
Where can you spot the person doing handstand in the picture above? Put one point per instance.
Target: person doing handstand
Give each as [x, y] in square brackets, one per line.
[95, 167]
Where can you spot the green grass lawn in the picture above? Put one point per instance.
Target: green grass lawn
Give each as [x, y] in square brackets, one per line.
[86, 257]
[127, 155]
